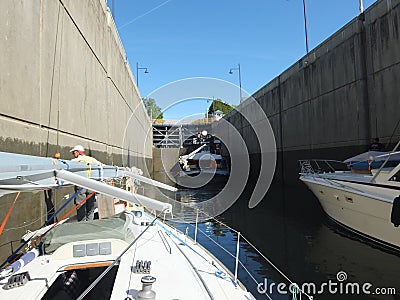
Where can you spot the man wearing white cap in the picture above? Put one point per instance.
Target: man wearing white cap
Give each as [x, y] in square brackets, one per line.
[79, 155]
[86, 211]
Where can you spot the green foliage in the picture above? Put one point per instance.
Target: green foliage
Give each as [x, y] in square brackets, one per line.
[153, 110]
[218, 104]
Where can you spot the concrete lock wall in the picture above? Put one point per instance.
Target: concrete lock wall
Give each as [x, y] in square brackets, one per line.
[65, 80]
[333, 101]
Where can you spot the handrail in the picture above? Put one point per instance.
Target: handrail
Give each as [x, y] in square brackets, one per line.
[307, 168]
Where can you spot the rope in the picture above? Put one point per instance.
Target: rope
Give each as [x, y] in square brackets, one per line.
[218, 221]
[72, 210]
[13, 255]
[62, 207]
[62, 218]
[24, 225]
[394, 131]
[8, 214]
[221, 274]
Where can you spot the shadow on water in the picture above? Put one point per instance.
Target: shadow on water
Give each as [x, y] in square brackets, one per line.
[290, 228]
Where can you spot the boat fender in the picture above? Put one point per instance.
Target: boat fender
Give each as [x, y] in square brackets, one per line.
[146, 293]
[395, 216]
[24, 260]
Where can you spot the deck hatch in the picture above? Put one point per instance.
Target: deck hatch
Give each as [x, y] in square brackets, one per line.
[92, 249]
[79, 250]
[105, 248]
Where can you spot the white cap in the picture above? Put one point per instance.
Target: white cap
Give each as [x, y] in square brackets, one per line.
[77, 148]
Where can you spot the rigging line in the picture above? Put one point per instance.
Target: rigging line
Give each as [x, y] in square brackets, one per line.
[178, 238]
[52, 81]
[12, 256]
[143, 15]
[23, 226]
[85, 292]
[252, 277]
[71, 211]
[8, 214]
[191, 248]
[62, 219]
[227, 251]
[59, 80]
[203, 212]
[275, 267]
[214, 241]
[394, 131]
[62, 207]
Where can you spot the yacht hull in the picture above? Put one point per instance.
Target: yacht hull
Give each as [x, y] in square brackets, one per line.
[358, 211]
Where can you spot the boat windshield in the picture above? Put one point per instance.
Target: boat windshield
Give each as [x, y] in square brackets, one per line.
[374, 156]
[114, 227]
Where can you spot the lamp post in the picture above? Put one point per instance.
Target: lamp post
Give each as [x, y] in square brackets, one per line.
[137, 73]
[361, 6]
[305, 23]
[240, 81]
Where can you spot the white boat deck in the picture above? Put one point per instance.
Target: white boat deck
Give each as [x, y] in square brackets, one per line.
[183, 270]
[171, 269]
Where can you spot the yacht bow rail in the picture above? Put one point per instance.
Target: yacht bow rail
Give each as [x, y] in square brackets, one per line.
[319, 166]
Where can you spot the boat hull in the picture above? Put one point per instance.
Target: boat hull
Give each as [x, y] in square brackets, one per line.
[359, 212]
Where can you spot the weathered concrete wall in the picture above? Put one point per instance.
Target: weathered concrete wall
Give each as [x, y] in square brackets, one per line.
[334, 100]
[165, 160]
[65, 80]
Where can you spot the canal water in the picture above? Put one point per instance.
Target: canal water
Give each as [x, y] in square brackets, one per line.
[291, 230]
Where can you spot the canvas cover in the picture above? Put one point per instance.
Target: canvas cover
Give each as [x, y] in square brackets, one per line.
[114, 227]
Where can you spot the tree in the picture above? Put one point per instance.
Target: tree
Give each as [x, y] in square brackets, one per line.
[218, 104]
[153, 110]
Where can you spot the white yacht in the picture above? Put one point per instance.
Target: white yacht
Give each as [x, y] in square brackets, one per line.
[365, 200]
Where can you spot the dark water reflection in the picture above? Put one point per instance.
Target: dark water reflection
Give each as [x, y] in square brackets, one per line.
[290, 228]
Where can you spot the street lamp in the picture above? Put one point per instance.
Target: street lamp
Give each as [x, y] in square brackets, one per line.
[305, 23]
[240, 81]
[361, 6]
[137, 73]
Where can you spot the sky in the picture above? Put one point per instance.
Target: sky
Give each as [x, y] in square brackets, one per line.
[181, 39]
